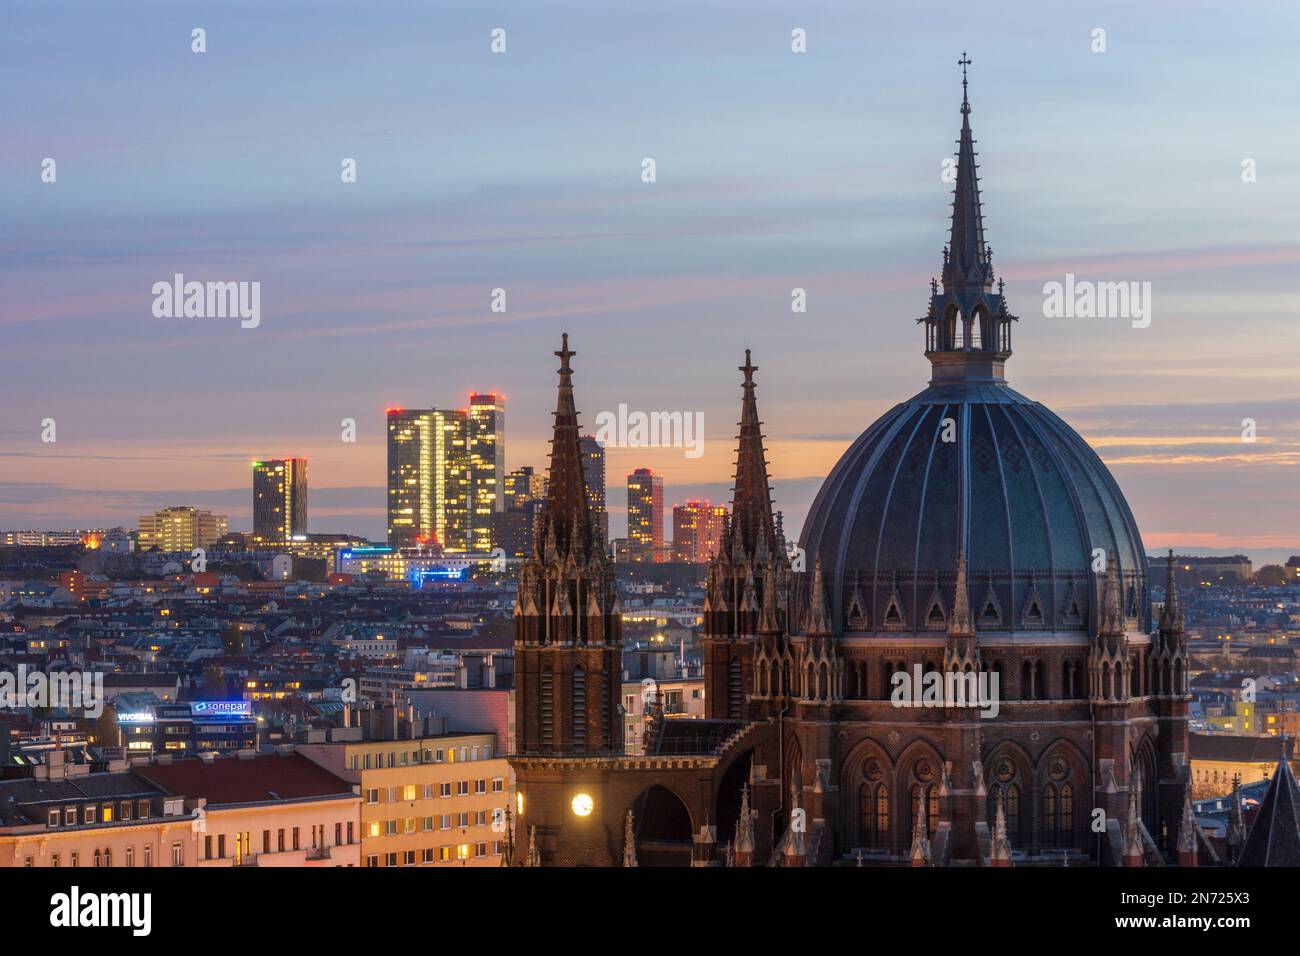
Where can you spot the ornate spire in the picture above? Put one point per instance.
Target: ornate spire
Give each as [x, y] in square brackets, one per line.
[1171, 615]
[969, 262]
[968, 326]
[920, 854]
[752, 521]
[1000, 852]
[629, 841]
[566, 520]
[818, 620]
[1187, 831]
[961, 623]
[745, 828]
[1112, 613]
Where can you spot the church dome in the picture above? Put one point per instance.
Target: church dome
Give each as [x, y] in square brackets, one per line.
[971, 467]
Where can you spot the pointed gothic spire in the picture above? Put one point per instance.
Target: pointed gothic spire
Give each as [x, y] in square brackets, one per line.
[1112, 613]
[1187, 831]
[968, 325]
[752, 520]
[1000, 852]
[1274, 838]
[565, 518]
[920, 854]
[818, 619]
[961, 623]
[968, 263]
[629, 841]
[1171, 615]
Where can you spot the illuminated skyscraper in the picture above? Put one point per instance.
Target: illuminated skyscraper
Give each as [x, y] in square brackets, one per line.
[486, 445]
[523, 485]
[697, 530]
[279, 498]
[181, 529]
[428, 478]
[593, 476]
[645, 515]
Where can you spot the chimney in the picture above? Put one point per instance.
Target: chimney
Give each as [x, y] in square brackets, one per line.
[390, 722]
[489, 671]
[347, 714]
[462, 672]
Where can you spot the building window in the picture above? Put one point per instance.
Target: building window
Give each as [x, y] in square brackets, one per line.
[426, 855]
[70, 816]
[428, 791]
[390, 859]
[390, 827]
[462, 788]
[74, 858]
[408, 858]
[296, 845]
[266, 841]
[444, 789]
[372, 795]
[89, 815]
[148, 854]
[349, 833]
[126, 809]
[142, 809]
[130, 856]
[480, 786]
[372, 861]
[338, 834]
[279, 840]
[207, 847]
[54, 861]
[221, 846]
[408, 792]
[54, 818]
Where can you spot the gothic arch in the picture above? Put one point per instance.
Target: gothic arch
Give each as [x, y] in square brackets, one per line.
[1062, 796]
[663, 826]
[1009, 770]
[1144, 770]
[866, 781]
[919, 770]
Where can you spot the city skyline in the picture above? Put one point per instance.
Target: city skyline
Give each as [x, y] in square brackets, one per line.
[407, 257]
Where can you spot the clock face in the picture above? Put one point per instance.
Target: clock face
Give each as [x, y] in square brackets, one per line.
[583, 804]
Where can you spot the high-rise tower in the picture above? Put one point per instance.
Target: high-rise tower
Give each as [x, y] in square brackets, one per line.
[279, 499]
[428, 478]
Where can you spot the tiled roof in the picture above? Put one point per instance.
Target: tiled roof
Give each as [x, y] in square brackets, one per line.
[233, 780]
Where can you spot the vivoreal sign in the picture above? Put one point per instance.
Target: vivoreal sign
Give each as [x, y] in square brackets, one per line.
[221, 708]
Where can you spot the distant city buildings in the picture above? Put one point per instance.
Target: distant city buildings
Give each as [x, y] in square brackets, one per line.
[645, 516]
[697, 530]
[279, 499]
[429, 482]
[593, 477]
[181, 528]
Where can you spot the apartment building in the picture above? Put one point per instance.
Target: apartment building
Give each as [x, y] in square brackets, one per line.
[429, 798]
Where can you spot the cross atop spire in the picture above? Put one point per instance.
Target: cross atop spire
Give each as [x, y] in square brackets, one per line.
[564, 354]
[749, 368]
[964, 62]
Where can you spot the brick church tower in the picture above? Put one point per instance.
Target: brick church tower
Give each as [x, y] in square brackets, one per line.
[568, 618]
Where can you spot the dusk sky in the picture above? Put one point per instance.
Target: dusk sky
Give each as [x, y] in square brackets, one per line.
[522, 171]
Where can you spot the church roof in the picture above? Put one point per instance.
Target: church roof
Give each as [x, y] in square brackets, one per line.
[1274, 838]
[971, 466]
